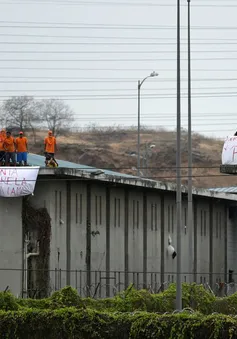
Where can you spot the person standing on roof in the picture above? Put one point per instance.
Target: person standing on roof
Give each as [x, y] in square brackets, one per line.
[3, 133]
[50, 145]
[2, 150]
[9, 147]
[21, 149]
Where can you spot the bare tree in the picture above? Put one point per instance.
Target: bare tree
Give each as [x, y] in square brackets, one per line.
[56, 114]
[19, 112]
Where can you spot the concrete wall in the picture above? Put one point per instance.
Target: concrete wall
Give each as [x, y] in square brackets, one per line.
[11, 244]
[153, 240]
[113, 230]
[52, 195]
[78, 231]
[203, 240]
[135, 236]
[218, 243]
[116, 257]
[231, 243]
[169, 229]
[108, 230]
[98, 228]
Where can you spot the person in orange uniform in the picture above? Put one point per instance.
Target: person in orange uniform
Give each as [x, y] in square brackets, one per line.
[9, 147]
[2, 150]
[22, 149]
[50, 145]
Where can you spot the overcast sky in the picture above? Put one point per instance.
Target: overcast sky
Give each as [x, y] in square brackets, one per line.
[97, 51]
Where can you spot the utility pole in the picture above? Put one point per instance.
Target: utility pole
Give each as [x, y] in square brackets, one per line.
[178, 171]
[190, 184]
[138, 126]
[147, 156]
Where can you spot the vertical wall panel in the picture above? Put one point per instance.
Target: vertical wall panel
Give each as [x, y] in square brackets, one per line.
[203, 240]
[107, 241]
[78, 236]
[211, 241]
[88, 237]
[126, 256]
[68, 235]
[135, 237]
[153, 239]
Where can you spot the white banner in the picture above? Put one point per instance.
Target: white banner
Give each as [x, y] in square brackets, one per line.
[17, 181]
[229, 152]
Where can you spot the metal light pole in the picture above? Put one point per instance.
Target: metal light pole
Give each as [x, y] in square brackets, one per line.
[178, 171]
[152, 75]
[190, 195]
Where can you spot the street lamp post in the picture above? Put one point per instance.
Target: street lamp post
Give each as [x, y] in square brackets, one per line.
[178, 171]
[190, 197]
[152, 75]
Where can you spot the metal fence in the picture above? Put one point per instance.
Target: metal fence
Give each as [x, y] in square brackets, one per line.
[101, 284]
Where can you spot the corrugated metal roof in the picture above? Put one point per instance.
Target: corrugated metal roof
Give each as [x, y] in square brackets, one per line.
[39, 160]
[231, 189]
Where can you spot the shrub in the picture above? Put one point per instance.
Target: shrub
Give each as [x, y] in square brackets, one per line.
[183, 326]
[8, 302]
[193, 296]
[66, 297]
[226, 305]
[71, 323]
[132, 299]
[40, 304]
[67, 323]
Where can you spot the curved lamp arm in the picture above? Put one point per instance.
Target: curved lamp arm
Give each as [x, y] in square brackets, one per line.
[152, 75]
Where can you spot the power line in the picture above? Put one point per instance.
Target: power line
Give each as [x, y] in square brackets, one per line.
[112, 3]
[126, 97]
[113, 43]
[168, 115]
[99, 80]
[113, 52]
[54, 25]
[116, 60]
[113, 37]
[198, 132]
[110, 89]
[115, 69]
[196, 125]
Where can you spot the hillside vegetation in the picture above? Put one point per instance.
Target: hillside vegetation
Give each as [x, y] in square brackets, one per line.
[116, 149]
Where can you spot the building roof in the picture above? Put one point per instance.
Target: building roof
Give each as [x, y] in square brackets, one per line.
[231, 189]
[67, 168]
[39, 160]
